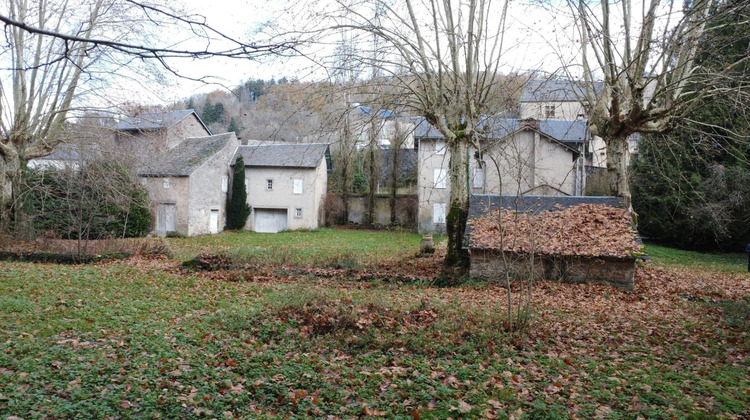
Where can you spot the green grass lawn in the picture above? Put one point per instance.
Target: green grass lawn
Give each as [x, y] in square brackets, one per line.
[140, 338]
[301, 246]
[725, 262]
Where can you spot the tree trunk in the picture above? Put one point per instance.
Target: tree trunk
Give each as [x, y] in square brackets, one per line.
[10, 185]
[618, 161]
[455, 221]
[395, 158]
[372, 185]
[345, 175]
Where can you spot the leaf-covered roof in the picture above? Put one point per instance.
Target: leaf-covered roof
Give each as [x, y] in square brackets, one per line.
[547, 225]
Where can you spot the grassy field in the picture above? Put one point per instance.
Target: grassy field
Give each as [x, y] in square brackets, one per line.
[142, 338]
[726, 262]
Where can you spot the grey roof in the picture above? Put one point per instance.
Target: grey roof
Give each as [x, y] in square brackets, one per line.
[425, 130]
[496, 128]
[555, 90]
[157, 120]
[64, 153]
[575, 131]
[307, 155]
[186, 157]
[483, 204]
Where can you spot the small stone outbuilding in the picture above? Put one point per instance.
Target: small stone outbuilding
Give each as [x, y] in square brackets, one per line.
[571, 239]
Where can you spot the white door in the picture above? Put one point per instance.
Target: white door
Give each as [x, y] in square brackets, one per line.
[166, 219]
[270, 220]
[214, 221]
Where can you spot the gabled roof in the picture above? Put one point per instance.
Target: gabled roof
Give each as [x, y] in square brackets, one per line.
[497, 128]
[556, 225]
[555, 90]
[186, 157]
[425, 130]
[307, 155]
[157, 120]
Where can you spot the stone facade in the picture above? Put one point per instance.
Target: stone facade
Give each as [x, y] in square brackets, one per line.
[492, 265]
[526, 160]
[188, 191]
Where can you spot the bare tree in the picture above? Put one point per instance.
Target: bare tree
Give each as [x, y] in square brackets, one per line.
[646, 54]
[58, 50]
[442, 59]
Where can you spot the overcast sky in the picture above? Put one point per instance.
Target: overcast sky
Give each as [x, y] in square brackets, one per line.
[536, 39]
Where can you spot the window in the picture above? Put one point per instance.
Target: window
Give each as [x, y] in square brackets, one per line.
[440, 147]
[478, 178]
[298, 212]
[298, 186]
[441, 176]
[269, 184]
[549, 111]
[438, 213]
[165, 183]
[224, 183]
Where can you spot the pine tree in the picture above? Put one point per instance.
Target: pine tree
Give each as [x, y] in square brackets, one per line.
[233, 127]
[237, 209]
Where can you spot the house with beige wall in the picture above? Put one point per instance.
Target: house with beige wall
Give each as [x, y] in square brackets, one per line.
[144, 139]
[286, 185]
[188, 187]
[516, 157]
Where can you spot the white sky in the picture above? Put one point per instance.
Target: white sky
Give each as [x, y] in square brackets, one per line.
[528, 28]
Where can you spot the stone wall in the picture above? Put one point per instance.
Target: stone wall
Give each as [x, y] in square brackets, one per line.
[406, 210]
[615, 272]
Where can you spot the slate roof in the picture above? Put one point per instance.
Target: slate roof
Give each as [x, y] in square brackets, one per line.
[63, 153]
[566, 132]
[425, 130]
[306, 155]
[483, 204]
[186, 157]
[555, 90]
[157, 120]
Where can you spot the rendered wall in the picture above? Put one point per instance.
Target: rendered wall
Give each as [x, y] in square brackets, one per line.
[314, 182]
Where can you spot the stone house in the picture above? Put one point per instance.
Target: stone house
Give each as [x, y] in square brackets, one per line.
[527, 159]
[146, 138]
[572, 239]
[551, 100]
[286, 185]
[188, 187]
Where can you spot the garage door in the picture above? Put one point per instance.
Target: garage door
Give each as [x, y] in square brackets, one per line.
[270, 220]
